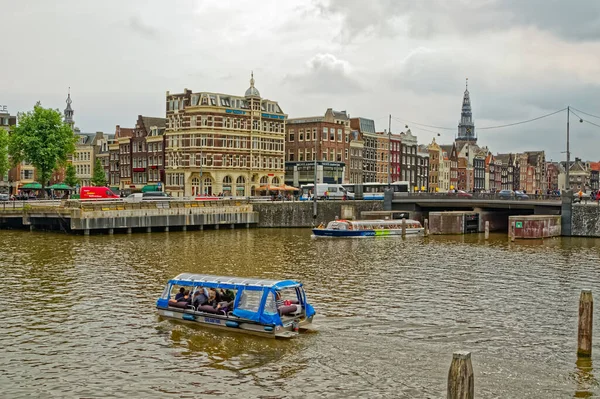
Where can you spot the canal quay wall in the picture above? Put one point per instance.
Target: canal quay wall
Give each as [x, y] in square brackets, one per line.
[300, 213]
[119, 217]
[585, 220]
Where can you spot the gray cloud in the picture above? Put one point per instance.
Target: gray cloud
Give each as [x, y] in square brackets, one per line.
[325, 73]
[139, 26]
[575, 21]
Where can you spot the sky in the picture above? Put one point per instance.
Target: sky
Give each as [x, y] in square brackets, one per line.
[404, 58]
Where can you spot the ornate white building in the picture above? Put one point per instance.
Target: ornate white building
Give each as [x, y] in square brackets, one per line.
[221, 143]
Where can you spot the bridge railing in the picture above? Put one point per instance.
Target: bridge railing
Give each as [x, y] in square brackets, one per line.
[479, 196]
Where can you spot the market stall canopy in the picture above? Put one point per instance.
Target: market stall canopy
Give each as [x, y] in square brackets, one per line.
[284, 187]
[31, 186]
[60, 186]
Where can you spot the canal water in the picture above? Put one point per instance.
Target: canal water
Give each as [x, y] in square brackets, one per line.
[78, 318]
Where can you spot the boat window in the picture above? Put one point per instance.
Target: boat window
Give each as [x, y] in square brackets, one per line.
[270, 305]
[250, 300]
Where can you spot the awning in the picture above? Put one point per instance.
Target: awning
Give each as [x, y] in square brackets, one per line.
[60, 186]
[150, 187]
[32, 186]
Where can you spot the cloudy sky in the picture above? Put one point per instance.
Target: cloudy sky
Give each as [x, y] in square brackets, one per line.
[407, 58]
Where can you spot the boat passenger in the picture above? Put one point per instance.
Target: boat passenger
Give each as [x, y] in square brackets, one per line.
[199, 299]
[226, 295]
[180, 294]
[185, 298]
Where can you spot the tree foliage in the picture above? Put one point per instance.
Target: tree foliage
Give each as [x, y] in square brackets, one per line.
[42, 139]
[70, 175]
[4, 164]
[99, 176]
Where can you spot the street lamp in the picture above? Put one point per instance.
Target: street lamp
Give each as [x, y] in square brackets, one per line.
[390, 150]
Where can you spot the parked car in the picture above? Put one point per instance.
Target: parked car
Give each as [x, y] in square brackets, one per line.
[521, 195]
[147, 196]
[155, 195]
[506, 194]
[4, 197]
[460, 194]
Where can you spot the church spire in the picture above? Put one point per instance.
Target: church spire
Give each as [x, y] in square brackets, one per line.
[69, 111]
[466, 127]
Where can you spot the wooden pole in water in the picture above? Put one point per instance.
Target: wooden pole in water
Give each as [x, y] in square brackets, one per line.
[586, 316]
[487, 229]
[426, 225]
[403, 227]
[461, 383]
[512, 231]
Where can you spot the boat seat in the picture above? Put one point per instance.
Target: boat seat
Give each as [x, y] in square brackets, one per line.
[287, 310]
[209, 309]
[180, 305]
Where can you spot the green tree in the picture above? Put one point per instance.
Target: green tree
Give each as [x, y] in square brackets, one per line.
[4, 165]
[42, 139]
[99, 176]
[70, 175]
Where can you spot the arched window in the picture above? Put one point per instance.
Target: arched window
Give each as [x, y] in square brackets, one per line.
[240, 186]
[227, 186]
[275, 181]
[264, 180]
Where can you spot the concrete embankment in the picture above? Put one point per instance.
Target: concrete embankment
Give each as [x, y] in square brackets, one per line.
[300, 214]
[111, 217]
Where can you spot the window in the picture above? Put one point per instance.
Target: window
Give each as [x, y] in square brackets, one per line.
[250, 300]
[339, 133]
[325, 134]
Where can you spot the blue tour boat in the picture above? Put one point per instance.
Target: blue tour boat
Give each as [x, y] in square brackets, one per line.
[269, 308]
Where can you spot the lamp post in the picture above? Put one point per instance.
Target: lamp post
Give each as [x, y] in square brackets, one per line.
[568, 166]
[390, 150]
[315, 180]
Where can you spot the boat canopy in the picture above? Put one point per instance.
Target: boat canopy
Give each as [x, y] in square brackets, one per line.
[260, 309]
[251, 284]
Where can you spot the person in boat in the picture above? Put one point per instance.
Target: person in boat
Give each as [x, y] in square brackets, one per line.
[200, 299]
[180, 294]
[184, 298]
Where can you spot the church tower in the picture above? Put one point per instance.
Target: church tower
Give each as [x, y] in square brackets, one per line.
[69, 112]
[466, 127]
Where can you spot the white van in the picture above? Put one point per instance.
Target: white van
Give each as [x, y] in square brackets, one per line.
[325, 191]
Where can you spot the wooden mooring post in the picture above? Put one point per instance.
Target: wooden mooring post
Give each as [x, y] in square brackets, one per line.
[512, 231]
[426, 225]
[487, 229]
[461, 383]
[586, 317]
[403, 228]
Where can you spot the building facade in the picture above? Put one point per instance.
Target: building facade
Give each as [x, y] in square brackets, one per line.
[366, 129]
[422, 183]
[408, 160]
[11, 180]
[383, 153]
[479, 171]
[435, 159]
[223, 144]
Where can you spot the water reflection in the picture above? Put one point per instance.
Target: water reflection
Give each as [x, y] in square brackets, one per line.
[584, 376]
[390, 312]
